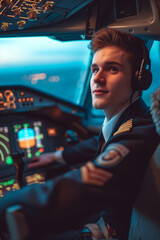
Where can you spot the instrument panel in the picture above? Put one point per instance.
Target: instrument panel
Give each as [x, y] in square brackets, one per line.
[28, 136]
[32, 136]
[29, 123]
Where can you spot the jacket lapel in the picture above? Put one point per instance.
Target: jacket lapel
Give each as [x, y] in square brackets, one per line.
[125, 121]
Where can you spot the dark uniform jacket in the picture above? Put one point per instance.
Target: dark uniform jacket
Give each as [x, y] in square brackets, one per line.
[106, 184]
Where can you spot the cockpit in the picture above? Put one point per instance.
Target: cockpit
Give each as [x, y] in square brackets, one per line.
[45, 99]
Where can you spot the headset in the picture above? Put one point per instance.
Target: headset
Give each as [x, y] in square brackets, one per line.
[143, 77]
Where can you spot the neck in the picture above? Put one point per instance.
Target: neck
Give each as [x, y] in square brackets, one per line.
[110, 113]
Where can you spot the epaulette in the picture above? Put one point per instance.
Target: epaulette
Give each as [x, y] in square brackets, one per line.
[125, 127]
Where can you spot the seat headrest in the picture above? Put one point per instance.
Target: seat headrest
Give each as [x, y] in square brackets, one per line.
[155, 109]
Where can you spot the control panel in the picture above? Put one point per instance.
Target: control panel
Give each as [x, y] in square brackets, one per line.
[32, 123]
[25, 14]
[14, 99]
[11, 184]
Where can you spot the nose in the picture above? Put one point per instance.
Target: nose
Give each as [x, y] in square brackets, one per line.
[99, 77]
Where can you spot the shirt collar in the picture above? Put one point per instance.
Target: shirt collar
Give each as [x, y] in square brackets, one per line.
[108, 126]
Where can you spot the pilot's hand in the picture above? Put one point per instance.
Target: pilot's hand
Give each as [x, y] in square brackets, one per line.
[42, 160]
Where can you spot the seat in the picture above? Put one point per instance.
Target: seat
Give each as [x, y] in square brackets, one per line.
[145, 220]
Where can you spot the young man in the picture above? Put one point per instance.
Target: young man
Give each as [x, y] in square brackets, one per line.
[107, 184]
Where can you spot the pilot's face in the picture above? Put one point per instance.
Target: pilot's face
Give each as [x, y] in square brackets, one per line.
[111, 79]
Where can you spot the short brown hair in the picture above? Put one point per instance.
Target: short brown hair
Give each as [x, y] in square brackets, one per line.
[126, 41]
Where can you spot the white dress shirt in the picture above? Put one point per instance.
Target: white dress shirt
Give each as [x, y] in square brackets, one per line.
[108, 125]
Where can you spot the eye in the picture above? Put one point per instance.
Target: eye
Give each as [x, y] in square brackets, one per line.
[113, 69]
[95, 70]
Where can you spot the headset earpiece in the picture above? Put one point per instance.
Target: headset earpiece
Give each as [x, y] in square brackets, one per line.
[143, 77]
[143, 80]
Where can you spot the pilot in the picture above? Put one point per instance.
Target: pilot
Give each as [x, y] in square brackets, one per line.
[95, 200]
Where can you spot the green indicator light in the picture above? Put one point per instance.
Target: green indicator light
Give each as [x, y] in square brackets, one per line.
[38, 153]
[9, 160]
[9, 182]
[29, 155]
[16, 127]
[26, 125]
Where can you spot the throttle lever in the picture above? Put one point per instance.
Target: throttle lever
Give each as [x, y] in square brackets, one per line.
[19, 166]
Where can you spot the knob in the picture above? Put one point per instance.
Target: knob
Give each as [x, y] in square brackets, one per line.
[21, 24]
[17, 12]
[4, 26]
[32, 15]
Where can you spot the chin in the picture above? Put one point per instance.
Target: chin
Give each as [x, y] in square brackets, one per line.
[98, 105]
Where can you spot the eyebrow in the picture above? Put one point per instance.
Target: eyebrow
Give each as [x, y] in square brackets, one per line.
[107, 63]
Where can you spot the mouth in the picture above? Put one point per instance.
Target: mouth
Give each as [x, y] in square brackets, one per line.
[98, 92]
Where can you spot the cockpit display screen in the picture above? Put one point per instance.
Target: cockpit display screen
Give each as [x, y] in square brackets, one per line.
[30, 138]
[5, 149]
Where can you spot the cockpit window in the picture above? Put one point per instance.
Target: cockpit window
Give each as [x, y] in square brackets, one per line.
[54, 67]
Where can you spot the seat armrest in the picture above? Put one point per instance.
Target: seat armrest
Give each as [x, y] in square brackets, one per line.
[16, 222]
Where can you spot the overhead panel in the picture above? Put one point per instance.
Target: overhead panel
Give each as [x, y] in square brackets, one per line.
[31, 14]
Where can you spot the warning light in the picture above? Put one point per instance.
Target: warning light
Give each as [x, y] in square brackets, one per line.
[60, 148]
[41, 150]
[22, 93]
[51, 131]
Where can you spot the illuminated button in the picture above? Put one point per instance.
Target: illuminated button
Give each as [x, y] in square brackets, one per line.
[29, 155]
[9, 160]
[51, 131]
[19, 100]
[28, 99]
[21, 93]
[41, 150]
[23, 99]
[60, 148]
[31, 99]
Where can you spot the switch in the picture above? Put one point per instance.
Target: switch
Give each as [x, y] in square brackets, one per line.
[4, 26]
[32, 15]
[21, 24]
[47, 7]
